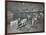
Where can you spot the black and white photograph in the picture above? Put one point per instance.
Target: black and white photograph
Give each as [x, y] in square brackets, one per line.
[25, 17]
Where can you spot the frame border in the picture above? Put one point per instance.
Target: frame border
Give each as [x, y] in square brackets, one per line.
[24, 2]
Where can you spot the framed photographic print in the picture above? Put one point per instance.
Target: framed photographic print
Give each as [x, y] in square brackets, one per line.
[24, 17]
